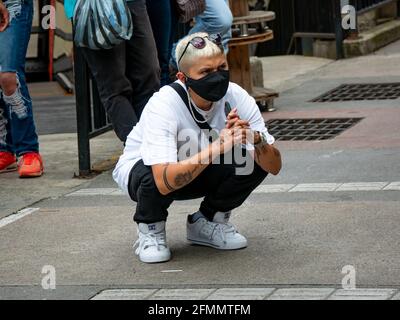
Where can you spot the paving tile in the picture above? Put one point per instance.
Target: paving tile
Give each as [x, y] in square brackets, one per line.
[92, 192]
[315, 187]
[241, 294]
[272, 188]
[117, 192]
[396, 296]
[301, 294]
[362, 186]
[124, 294]
[181, 294]
[394, 186]
[362, 294]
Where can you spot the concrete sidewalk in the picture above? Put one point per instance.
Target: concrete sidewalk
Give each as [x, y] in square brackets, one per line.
[60, 154]
[335, 204]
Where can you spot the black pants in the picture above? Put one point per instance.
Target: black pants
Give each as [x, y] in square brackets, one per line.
[220, 185]
[164, 22]
[128, 74]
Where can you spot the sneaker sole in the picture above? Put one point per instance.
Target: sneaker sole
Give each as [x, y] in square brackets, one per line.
[31, 175]
[10, 168]
[153, 261]
[206, 244]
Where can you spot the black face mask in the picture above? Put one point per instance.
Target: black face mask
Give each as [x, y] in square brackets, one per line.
[212, 87]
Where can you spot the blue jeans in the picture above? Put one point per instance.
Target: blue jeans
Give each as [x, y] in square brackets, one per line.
[17, 133]
[217, 18]
[163, 22]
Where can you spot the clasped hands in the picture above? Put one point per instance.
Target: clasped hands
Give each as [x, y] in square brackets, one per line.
[236, 132]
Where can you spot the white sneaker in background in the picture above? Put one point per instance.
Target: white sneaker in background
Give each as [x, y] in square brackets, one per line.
[152, 243]
[219, 233]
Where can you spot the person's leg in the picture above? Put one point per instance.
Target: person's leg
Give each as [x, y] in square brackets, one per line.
[216, 18]
[220, 184]
[161, 22]
[115, 90]
[151, 214]
[228, 186]
[8, 161]
[5, 132]
[231, 189]
[151, 206]
[171, 52]
[16, 101]
[223, 189]
[142, 67]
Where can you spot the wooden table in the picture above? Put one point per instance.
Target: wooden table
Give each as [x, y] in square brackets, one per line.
[243, 34]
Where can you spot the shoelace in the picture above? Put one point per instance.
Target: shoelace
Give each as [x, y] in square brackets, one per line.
[220, 228]
[29, 158]
[146, 240]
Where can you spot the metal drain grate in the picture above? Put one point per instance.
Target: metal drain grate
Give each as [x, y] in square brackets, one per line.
[309, 129]
[361, 91]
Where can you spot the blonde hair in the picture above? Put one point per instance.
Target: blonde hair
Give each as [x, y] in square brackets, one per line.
[211, 49]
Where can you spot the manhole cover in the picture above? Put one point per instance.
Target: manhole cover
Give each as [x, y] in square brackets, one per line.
[361, 91]
[309, 129]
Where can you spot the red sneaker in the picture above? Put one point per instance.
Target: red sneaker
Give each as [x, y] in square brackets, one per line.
[8, 162]
[30, 165]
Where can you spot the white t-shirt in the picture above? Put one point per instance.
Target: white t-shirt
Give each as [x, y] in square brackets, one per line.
[167, 132]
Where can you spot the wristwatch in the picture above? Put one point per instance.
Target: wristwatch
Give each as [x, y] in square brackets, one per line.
[263, 138]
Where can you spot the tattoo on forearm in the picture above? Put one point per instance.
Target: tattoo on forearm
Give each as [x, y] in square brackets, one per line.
[169, 187]
[183, 179]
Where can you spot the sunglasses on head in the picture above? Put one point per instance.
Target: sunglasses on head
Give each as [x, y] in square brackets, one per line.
[200, 43]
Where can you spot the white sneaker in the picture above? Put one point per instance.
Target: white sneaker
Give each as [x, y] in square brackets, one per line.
[152, 243]
[219, 233]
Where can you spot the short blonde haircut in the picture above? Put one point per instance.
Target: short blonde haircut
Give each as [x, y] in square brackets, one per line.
[211, 49]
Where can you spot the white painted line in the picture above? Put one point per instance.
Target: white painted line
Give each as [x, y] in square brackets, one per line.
[363, 294]
[19, 215]
[394, 186]
[171, 271]
[181, 294]
[272, 188]
[245, 293]
[117, 192]
[92, 192]
[362, 186]
[241, 294]
[315, 187]
[124, 294]
[396, 297]
[301, 294]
